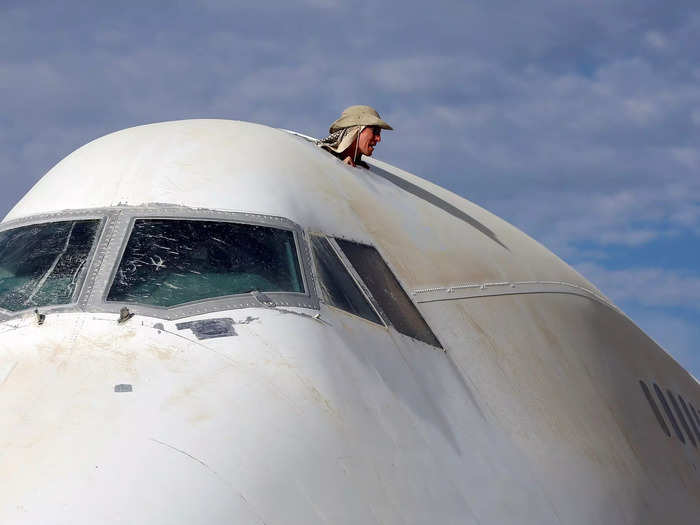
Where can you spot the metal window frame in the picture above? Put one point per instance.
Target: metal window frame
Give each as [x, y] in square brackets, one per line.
[371, 298]
[353, 275]
[116, 226]
[78, 296]
[124, 227]
[360, 283]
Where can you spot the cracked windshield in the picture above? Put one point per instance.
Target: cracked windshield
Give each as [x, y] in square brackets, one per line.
[169, 262]
[43, 264]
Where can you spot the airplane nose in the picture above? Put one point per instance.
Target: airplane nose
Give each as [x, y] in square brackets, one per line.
[143, 422]
[115, 422]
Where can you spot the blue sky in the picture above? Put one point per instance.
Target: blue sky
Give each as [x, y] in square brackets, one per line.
[579, 122]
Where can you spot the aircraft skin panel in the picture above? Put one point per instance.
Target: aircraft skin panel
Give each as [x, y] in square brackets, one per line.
[563, 381]
[545, 404]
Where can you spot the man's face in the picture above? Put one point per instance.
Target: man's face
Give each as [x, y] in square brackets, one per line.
[369, 138]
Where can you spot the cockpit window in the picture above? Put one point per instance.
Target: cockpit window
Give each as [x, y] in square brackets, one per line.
[43, 264]
[387, 291]
[337, 286]
[169, 262]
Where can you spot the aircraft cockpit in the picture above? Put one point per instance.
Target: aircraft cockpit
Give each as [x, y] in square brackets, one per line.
[175, 262]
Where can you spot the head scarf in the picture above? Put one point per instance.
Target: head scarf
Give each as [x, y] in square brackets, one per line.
[340, 140]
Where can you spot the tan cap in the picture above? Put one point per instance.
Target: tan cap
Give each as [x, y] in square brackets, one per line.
[358, 116]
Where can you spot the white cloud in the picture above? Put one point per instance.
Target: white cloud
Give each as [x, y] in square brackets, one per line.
[324, 4]
[641, 111]
[655, 40]
[688, 216]
[653, 287]
[687, 156]
[563, 218]
[628, 238]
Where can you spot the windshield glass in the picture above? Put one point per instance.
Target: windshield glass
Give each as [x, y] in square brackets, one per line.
[169, 262]
[43, 264]
[387, 291]
[337, 286]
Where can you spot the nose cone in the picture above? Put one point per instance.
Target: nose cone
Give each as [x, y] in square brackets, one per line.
[108, 423]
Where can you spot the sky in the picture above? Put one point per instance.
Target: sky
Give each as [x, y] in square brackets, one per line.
[577, 121]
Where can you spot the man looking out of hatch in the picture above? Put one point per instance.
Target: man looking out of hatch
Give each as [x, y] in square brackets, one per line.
[355, 133]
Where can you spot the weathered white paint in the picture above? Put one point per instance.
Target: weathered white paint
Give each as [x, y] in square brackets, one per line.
[533, 414]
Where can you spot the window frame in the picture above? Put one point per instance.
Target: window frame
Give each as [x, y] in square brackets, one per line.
[401, 284]
[113, 232]
[123, 229]
[83, 286]
[353, 275]
[332, 239]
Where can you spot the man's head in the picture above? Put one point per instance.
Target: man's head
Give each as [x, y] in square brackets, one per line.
[355, 133]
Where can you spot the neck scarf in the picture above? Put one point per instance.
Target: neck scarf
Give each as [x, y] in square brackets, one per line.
[340, 140]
